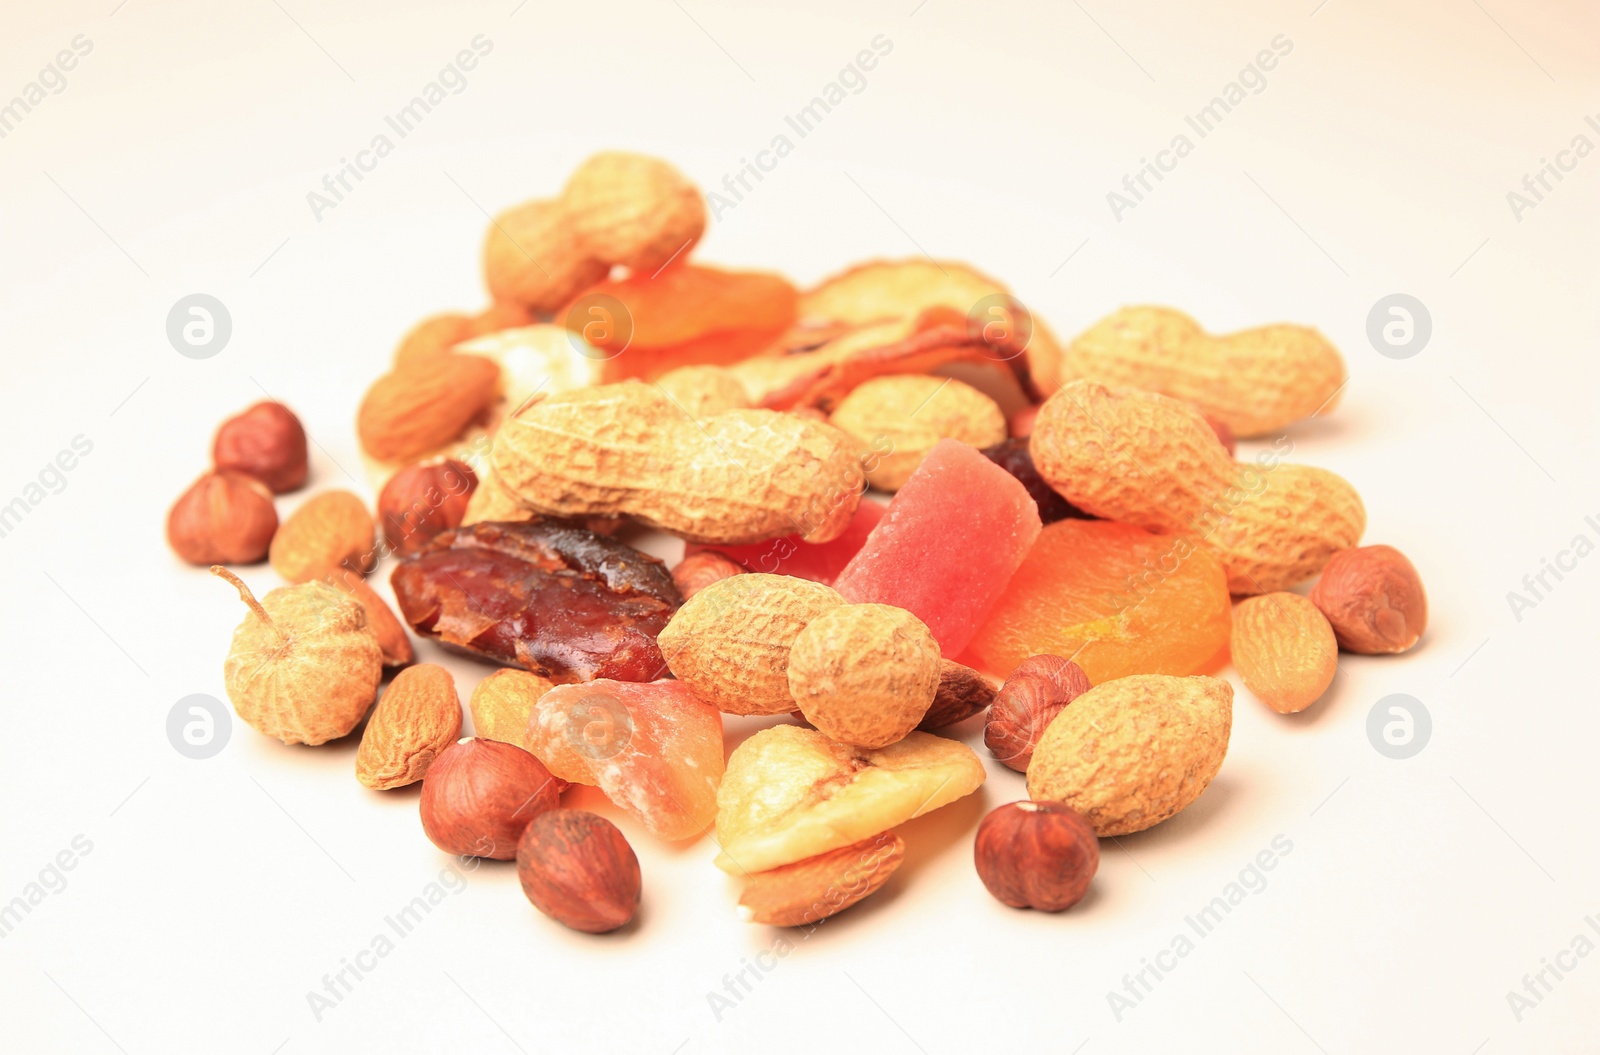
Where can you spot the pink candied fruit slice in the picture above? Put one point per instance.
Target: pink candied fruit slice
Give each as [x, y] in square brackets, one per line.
[654, 748]
[948, 545]
[818, 561]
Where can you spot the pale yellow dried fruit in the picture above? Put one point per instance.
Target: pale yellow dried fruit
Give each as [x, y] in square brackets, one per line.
[730, 642]
[1145, 459]
[898, 418]
[625, 449]
[502, 704]
[1256, 381]
[791, 793]
[1132, 752]
[304, 665]
[865, 674]
[1285, 650]
[418, 716]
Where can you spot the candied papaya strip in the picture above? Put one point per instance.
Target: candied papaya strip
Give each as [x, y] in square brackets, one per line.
[546, 595]
[687, 302]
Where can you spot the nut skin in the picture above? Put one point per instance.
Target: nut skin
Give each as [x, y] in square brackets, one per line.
[1039, 855]
[962, 693]
[699, 570]
[1132, 752]
[865, 674]
[816, 888]
[1373, 597]
[479, 795]
[223, 518]
[267, 442]
[424, 403]
[1038, 690]
[418, 716]
[578, 869]
[422, 500]
[1284, 650]
[329, 531]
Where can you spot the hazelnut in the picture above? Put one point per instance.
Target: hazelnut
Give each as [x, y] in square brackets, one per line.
[698, 570]
[579, 870]
[223, 518]
[479, 795]
[422, 500]
[1037, 690]
[1036, 855]
[267, 442]
[1373, 597]
[962, 693]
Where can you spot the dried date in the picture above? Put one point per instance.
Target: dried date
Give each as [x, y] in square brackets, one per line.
[546, 595]
[1012, 456]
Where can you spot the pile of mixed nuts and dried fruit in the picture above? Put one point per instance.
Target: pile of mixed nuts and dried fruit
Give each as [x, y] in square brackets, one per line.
[1068, 567]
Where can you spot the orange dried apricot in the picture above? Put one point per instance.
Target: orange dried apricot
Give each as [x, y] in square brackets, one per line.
[1115, 598]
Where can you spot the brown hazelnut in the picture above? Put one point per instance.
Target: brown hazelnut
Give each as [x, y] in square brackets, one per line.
[698, 570]
[422, 500]
[1373, 597]
[1037, 690]
[962, 693]
[1036, 855]
[478, 795]
[578, 869]
[267, 442]
[223, 518]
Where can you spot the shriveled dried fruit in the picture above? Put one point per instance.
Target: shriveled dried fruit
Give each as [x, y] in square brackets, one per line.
[503, 703]
[962, 693]
[1039, 689]
[223, 518]
[418, 716]
[548, 596]
[864, 674]
[479, 795]
[730, 643]
[654, 748]
[911, 413]
[816, 888]
[1284, 649]
[422, 500]
[1130, 753]
[791, 793]
[1012, 456]
[1038, 855]
[696, 571]
[329, 531]
[266, 442]
[740, 476]
[578, 869]
[1374, 598]
[304, 665]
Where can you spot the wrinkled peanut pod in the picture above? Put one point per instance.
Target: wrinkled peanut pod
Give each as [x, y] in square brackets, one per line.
[625, 449]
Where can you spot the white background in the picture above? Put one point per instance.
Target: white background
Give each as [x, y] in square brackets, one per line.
[1377, 160]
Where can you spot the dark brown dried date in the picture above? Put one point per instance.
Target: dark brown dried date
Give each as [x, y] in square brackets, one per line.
[546, 595]
[1012, 456]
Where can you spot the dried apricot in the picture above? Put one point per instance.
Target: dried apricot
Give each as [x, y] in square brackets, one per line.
[1117, 599]
[686, 314]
